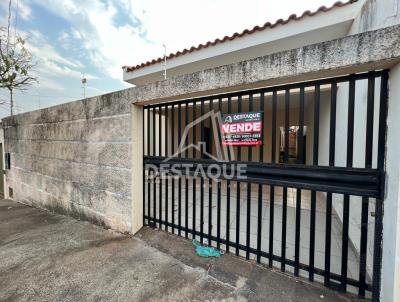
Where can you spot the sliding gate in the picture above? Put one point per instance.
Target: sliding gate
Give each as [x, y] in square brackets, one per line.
[308, 199]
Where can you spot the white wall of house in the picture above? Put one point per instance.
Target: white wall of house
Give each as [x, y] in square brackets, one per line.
[391, 221]
[376, 14]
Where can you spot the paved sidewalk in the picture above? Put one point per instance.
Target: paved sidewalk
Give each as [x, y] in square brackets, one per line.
[49, 257]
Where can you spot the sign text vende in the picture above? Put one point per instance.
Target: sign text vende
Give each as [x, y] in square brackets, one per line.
[242, 129]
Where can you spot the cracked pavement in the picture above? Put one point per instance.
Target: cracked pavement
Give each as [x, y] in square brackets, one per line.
[50, 257]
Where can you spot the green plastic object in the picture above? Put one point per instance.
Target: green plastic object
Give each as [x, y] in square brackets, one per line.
[205, 251]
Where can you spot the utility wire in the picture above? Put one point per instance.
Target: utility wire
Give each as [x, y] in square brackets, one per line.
[8, 25]
[16, 21]
[4, 103]
[8, 103]
[53, 96]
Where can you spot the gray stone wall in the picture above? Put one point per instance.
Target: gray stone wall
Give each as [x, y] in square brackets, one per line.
[75, 159]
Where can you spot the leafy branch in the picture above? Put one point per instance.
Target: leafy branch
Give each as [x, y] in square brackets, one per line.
[16, 63]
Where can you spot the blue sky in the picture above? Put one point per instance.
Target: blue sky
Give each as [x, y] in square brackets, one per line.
[98, 37]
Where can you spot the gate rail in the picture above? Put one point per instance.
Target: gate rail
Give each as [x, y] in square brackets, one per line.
[341, 180]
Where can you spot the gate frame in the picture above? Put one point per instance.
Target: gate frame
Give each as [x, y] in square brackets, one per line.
[376, 177]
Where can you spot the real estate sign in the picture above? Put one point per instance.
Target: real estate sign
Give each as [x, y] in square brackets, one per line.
[242, 129]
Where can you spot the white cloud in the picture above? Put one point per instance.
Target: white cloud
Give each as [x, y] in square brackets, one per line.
[76, 34]
[49, 61]
[43, 49]
[24, 11]
[182, 24]
[179, 24]
[48, 83]
[92, 26]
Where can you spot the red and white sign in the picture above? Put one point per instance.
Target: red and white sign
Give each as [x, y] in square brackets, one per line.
[242, 129]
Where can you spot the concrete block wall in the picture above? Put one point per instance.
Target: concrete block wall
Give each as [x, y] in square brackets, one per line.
[75, 159]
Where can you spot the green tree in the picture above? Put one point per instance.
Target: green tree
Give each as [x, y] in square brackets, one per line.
[16, 63]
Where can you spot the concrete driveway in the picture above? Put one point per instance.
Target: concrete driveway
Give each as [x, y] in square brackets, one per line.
[49, 257]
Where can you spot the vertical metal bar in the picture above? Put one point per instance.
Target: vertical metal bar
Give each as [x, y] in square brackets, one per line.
[228, 194]
[239, 155]
[248, 217]
[218, 214]
[166, 178]
[260, 186]
[210, 185]
[328, 227]
[377, 256]
[209, 210]
[148, 172]
[284, 218]
[300, 137]
[144, 168]
[300, 144]
[186, 124]
[370, 120]
[180, 177]
[350, 123]
[154, 179]
[179, 136]
[346, 198]
[186, 176]
[365, 200]
[285, 159]
[317, 96]
[248, 212]
[173, 176]
[287, 125]
[202, 178]
[159, 130]
[237, 216]
[160, 176]
[194, 142]
[229, 111]
[219, 190]
[363, 247]
[154, 131]
[328, 224]
[382, 120]
[332, 141]
[272, 188]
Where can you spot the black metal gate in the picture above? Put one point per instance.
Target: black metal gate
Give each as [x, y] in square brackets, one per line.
[311, 200]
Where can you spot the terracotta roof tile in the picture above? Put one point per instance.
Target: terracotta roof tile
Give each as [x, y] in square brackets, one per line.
[236, 35]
